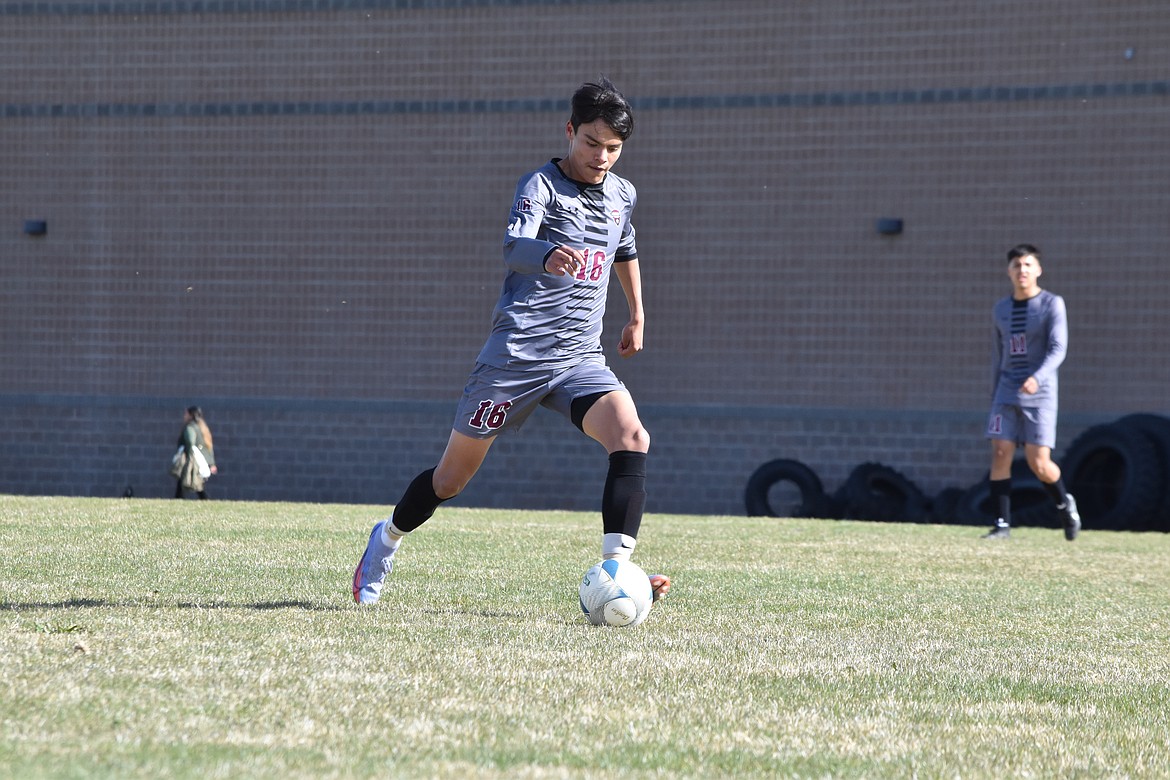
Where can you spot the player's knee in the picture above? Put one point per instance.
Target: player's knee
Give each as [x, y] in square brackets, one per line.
[637, 440]
[447, 486]
[1045, 470]
[1038, 465]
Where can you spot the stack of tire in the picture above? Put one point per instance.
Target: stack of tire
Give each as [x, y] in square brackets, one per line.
[1118, 471]
[1031, 504]
[872, 491]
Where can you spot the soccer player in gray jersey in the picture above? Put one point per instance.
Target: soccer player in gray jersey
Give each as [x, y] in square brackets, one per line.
[568, 230]
[1031, 337]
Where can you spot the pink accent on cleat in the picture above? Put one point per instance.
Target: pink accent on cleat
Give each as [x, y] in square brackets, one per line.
[659, 585]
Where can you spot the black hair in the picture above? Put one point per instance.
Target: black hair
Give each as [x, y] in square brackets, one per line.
[1022, 250]
[195, 412]
[602, 100]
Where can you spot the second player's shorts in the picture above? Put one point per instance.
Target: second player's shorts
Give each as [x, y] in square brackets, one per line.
[498, 400]
[1022, 425]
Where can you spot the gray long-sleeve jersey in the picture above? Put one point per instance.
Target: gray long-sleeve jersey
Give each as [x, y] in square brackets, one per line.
[543, 321]
[1034, 345]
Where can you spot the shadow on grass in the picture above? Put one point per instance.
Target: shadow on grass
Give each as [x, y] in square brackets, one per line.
[102, 603]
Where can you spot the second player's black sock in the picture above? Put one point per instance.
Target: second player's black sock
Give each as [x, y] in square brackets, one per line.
[1057, 491]
[417, 505]
[624, 498]
[1001, 493]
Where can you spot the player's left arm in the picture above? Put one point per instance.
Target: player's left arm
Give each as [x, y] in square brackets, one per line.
[1057, 343]
[630, 277]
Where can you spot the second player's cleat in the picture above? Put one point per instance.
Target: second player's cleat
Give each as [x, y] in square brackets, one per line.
[659, 586]
[376, 563]
[999, 532]
[1072, 518]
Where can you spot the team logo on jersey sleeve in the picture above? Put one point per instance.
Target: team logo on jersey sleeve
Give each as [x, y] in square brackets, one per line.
[524, 205]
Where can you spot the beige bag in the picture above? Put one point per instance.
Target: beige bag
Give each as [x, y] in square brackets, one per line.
[178, 462]
[190, 471]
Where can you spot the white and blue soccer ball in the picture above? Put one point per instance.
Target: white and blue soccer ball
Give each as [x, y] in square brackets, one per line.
[615, 593]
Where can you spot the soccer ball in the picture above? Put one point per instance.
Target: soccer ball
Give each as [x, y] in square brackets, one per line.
[615, 593]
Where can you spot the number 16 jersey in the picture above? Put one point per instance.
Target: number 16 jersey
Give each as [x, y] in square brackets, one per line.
[547, 322]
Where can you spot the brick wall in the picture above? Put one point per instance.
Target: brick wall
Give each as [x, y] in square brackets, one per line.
[292, 215]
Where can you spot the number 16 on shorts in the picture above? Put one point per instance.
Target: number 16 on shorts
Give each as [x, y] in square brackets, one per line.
[490, 416]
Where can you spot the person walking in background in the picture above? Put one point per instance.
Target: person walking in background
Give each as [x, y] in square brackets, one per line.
[1031, 339]
[568, 229]
[196, 441]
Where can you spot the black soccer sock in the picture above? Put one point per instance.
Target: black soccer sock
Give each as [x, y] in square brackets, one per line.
[624, 498]
[417, 505]
[1001, 493]
[1057, 491]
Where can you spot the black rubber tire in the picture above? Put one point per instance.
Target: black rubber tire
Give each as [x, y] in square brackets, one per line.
[943, 505]
[1031, 504]
[874, 491]
[1116, 475]
[1157, 428]
[813, 501]
[974, 506]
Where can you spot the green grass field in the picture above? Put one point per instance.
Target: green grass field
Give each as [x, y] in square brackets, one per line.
[146, 638]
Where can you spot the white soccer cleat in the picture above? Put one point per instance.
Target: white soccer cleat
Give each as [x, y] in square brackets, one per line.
[376, 563]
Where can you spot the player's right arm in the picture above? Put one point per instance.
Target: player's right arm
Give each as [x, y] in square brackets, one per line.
[996, 352]
[525, 248]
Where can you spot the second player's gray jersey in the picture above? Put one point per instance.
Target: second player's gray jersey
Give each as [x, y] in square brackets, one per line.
[544, 321]
[1034, 345]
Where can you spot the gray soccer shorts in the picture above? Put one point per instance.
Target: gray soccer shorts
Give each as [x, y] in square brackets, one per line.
[498, 399]
[1022, 425]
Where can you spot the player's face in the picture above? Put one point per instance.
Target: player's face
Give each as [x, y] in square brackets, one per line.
[1025, 275]
[593, 150]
